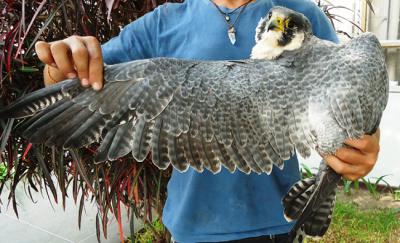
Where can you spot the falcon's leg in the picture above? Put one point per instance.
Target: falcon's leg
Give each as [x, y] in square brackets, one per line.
[311, 202]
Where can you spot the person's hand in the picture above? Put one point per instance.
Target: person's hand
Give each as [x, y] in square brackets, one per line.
[357, 161]
[75, 56]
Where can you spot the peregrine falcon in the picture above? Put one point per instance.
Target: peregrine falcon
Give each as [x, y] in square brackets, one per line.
[295, 93]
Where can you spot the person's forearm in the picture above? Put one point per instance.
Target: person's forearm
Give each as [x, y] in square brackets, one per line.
[52, 75]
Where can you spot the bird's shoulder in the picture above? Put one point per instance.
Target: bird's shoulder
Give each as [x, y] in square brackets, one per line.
[365, 44]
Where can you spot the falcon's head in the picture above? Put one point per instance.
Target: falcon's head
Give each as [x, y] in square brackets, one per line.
[281, 30]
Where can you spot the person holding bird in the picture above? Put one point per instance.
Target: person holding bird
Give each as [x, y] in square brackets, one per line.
[207, 207]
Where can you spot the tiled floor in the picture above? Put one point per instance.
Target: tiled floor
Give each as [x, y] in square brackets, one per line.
[43, 222]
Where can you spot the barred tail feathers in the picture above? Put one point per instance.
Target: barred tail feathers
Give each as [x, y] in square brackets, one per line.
[311, 202]
[297, 198]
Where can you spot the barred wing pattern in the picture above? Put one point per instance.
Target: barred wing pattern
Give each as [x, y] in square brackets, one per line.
[248, 114]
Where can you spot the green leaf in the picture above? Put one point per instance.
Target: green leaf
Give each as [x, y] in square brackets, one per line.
[397, 195]
[357, 185]
[26, 69]
[3, 171]
[347, 185]
[307, 170]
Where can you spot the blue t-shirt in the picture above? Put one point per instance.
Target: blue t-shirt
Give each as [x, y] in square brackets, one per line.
[202, 207]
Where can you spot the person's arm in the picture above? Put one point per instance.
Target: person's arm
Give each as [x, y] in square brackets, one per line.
[137, 40]
[83, 56]
[360, 157]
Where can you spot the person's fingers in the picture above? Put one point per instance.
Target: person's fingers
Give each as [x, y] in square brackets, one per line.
[95, 62]
[62, 56]
[52, 75]
[80, 57]
[44, 53]
[339, 166]
[367, 144]
[75, 56]
[349, 155]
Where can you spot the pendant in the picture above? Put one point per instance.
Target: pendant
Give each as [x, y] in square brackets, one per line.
[227, 18]
[232, 35]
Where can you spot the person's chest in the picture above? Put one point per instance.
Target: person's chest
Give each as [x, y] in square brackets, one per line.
[201, 32]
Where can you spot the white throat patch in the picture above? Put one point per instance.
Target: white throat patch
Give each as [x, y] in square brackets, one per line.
[267, 47]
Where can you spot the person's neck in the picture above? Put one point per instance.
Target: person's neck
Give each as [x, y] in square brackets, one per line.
[230, 3]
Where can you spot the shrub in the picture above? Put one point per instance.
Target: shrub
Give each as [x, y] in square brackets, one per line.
[139, 186]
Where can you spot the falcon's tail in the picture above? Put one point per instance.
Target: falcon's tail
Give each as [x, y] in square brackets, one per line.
[296, 199]
[36, 101]
[311, 202]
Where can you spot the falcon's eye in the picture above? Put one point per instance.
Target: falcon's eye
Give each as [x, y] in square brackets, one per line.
[289, 24]
[269, 15]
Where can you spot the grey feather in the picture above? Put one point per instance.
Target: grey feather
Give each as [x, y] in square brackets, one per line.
[211, 160]
[223, 156]
[44, 132]
[159, 145]
[141, 139]
[102, 151]
[236, 157]
[39, 100]
[30, 126]
[122, 142]
[88, 132]
[191, 152]
[176, 152]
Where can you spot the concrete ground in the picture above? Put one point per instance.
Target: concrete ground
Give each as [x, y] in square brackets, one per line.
[42, 222]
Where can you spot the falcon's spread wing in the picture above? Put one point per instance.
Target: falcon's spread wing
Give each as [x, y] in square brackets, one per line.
[246, 114]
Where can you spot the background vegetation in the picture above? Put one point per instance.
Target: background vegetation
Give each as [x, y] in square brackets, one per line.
[140, 186]
[352, 224]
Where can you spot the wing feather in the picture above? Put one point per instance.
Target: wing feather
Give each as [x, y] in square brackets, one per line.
[191, 152]
[102, 151]
[223, 156]
[159, 144]
[223, 125]
[237, 158]
[52, 128]
[176, 153]
[141, 139]
[247, 115]
[87, 133]
[44, 117]
[122, 142]
[211, 160]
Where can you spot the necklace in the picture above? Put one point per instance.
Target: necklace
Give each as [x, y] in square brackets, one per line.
[227, 18]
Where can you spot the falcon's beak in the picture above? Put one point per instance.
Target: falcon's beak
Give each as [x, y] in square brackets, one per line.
[276, 23]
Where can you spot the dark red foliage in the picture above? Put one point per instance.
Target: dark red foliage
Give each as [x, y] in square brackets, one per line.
[140, 186]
